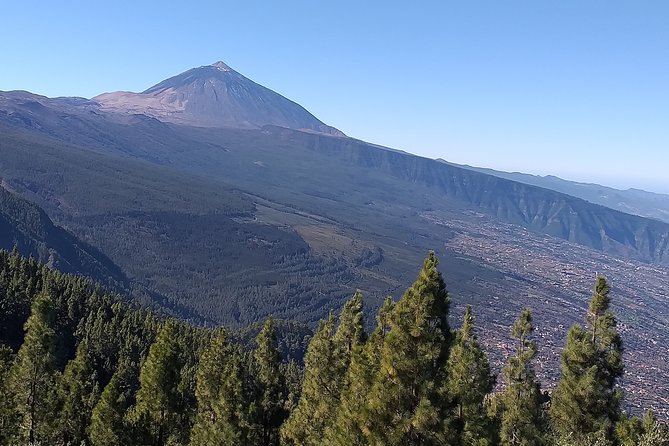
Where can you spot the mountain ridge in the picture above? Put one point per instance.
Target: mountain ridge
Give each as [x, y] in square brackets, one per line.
[631, 201]
[515, 202]
[215, 96]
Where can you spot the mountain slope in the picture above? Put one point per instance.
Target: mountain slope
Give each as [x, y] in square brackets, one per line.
[632, 201]
[237, 224]
[27, 227]
[348, 170]
[317, 220]
[234, 156]
[215, 96]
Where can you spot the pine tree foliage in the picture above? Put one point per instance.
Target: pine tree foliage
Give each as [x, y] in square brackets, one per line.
[654, 433]
[404, 405]
[115, 333]
[326, 363]
[109, 423]
[586, 401]
[350, 331]
[519, 405]
[350, 426]
[268, 410]
[62, 338]
[320, 391]
[78, 395]
[469, 382]
[158, 409]
[33, 376]
[20, 281]
[293, 375]
[634, 431]
[8, 414]
[222, 415]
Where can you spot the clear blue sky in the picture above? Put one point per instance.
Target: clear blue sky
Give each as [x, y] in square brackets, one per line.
[579, 88]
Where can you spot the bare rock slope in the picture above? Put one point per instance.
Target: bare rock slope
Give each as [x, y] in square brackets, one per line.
[215, 96]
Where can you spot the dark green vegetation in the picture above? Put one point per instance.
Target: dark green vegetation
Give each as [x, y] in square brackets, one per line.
[27, 227]
[87, 368]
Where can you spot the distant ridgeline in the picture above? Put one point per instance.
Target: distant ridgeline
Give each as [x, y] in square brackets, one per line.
[81, 366]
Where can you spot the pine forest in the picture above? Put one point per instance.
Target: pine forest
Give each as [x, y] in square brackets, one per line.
[83, 366]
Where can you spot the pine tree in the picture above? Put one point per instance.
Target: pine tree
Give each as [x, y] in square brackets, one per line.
[404, 406]
[629, 430]
[469, 382]
[15, 300]
[586, 401]
[221, 406]
[294, 376]
[33, 376]
[270, 392]
[350, 427]
[519, 405]
[189, 341]
[8, 415]
[654, 432]
[109, 426]
[350, 331]
[320, 391]
[158, 409]
[326, 363]
[78, 395]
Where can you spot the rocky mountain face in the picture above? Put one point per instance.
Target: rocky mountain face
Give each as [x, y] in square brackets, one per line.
[631, 201]
[550, 212]
[215, 96]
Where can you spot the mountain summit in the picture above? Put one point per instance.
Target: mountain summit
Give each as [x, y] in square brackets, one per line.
[221, 66]
[215, 96]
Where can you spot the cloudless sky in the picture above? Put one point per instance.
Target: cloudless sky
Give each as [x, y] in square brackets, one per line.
[579, 89]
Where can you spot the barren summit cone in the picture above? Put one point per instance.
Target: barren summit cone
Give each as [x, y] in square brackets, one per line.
[215, 96]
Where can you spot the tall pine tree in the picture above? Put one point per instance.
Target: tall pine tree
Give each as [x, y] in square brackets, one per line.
[519, 405]
[469, 382]
[109, 424]
[33, 376]
[268, 409]
[221, 405]
[326, 363]
[320, 388]
[78, 395]
[350, 332]
[158, 410]
[293, 375]
[8, 414]
[404, 406]
[351, 425]
[586, 402]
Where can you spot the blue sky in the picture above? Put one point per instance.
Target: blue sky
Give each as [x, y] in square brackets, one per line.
[579, 89]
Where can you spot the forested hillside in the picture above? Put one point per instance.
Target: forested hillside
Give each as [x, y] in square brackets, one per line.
[81, 366]
[28, 228]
